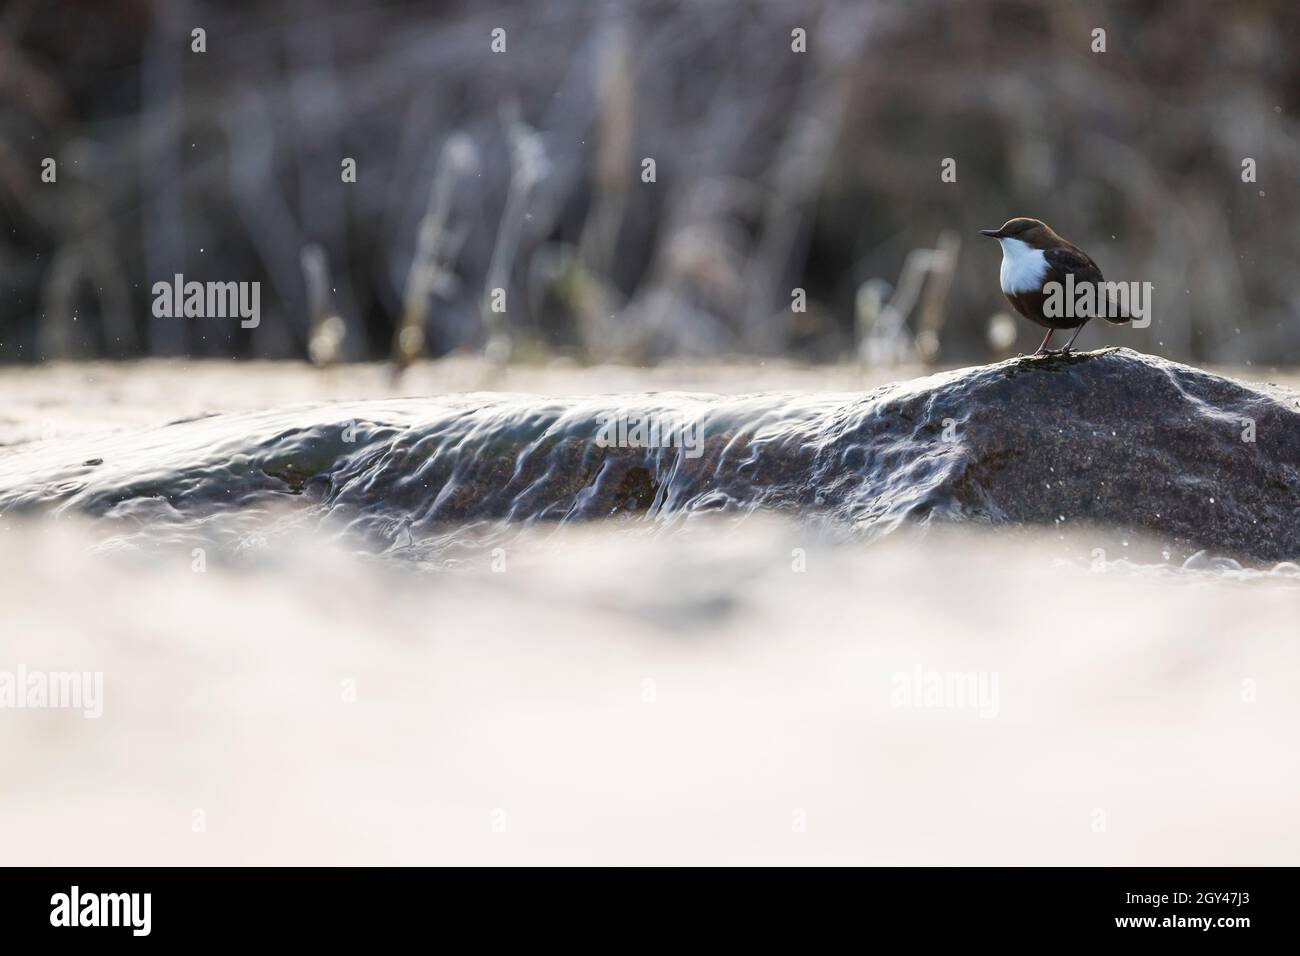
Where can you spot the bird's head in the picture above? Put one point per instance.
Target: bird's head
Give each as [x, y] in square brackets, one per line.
[1032, 232]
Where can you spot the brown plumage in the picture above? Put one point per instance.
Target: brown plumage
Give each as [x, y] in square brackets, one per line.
[1034, 256]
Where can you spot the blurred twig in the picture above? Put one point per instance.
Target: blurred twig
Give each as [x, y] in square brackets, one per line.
[436, 247]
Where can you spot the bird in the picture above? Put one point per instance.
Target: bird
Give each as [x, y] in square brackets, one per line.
[1033, 256]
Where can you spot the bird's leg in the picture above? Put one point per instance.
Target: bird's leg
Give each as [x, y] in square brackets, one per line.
[1073, 337]
[1046, 338]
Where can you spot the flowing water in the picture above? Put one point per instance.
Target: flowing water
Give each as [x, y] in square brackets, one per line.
[339, 628]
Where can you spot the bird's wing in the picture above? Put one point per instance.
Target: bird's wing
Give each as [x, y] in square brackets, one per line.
[1068, 259]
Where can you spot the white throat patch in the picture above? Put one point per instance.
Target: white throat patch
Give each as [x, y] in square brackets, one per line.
[1023, 268]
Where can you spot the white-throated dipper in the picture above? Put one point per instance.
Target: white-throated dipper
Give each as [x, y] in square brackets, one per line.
[1033, 257]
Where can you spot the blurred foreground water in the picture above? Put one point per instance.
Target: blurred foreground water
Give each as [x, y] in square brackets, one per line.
[731, 688]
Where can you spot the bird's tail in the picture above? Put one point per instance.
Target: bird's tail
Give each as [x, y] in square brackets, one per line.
[1118, 308]
[1115, 316]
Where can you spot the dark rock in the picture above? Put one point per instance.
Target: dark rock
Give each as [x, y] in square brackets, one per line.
[1109, 439]
[1124, 440]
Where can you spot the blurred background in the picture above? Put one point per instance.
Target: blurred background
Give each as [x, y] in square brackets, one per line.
[783, 161]
[671, 684]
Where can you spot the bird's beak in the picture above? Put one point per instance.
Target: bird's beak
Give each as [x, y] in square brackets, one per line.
[991, 233]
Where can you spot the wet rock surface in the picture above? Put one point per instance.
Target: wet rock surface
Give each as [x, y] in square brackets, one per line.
[1112, 438]
[1123, 440]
